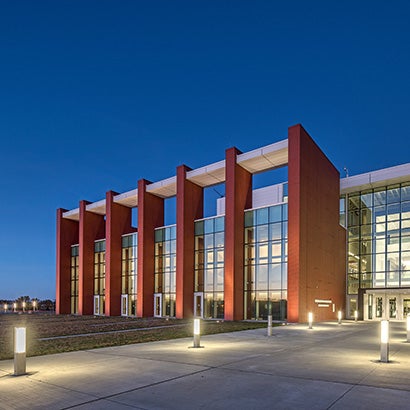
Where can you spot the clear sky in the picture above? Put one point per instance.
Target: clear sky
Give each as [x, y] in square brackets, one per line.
[95, 95]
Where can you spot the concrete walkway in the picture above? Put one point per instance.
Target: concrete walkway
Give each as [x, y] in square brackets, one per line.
[328, 367]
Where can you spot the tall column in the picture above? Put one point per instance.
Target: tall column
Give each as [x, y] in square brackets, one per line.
[190, 201]
[118, 222]
[92, 228]
[150, 216]
[67, 235]
[317, 247]
[238, 192]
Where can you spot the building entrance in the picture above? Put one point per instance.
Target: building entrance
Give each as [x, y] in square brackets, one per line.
[390, 304]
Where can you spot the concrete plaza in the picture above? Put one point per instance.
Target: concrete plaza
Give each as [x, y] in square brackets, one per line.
[328, 367]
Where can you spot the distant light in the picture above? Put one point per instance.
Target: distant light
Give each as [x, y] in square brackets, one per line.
[5, 306]
[339, 316]
[356, 315]
[310, 319]
[19, 340]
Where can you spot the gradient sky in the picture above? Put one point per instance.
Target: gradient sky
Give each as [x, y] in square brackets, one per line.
[95, 95]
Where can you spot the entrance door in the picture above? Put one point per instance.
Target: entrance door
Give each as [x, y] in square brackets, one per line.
[198, 304]
[379, 307]
[124, 305]
[392, 308]
[96, 305]
[370, 307]
[157, 304]
[406, 308]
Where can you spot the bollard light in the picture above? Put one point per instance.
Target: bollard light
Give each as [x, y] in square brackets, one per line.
[269, 325]
[19, 351]
[384, 341]
[14, 306]
[339, 317]
[356, 315]
[310, 320]
[24, 306]
[408, 327]
[34, 305]
[197, 333]
[5, 307]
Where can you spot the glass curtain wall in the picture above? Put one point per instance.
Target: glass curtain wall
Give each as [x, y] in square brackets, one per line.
[165, 268]
[129, 272]
[99, 277]
[209, 264]
[266, 272]
[378, 223]
[74, 279]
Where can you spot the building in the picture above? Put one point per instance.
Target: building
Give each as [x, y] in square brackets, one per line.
[312, 243]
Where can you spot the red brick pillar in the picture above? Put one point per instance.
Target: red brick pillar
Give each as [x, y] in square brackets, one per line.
[190, 201]
[316, 251]
[67, 235]
[238, 197]
[150, 216]
[118, 222]
[92, 228]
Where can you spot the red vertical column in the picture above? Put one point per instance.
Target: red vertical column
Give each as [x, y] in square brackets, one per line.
[118, 222]
[67, 235]
[238, 193]
[316, 250]
[92, 227]
[150, 216]
[190, 201]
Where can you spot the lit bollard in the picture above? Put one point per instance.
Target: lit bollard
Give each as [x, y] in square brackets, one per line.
[339, 317]
[356, 315]
[384, 341]
[14, 307]
[24, 306]
[197, 333]
[34, 305]
[408, 327]
[310, 320]
[19, 351]
[269, 325]
[5, 307]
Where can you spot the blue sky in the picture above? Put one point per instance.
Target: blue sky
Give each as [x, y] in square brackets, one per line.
[95, 95]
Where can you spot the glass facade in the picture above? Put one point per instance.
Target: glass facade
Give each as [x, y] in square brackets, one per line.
[74, 279]
[129, 271]
[165, 271]
[99, 277]
[378, 224]
[209, 265]
[265, 270]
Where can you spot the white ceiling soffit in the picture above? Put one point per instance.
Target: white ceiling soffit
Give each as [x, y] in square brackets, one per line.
[166, 188]
[374, 179]
[265, 158]
[98, 207]
[208, 175]
[129, 198]
[74, 214]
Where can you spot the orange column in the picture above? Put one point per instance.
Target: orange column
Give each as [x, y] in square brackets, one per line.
[238, 193]
[316, 251]
[190, 200]
[67, 235]
[118, 222]
[150, 216]
[92, 228]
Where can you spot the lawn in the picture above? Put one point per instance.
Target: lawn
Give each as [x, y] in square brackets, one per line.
[48, 333]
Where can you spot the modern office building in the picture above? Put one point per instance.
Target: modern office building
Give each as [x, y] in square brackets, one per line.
[313, 242]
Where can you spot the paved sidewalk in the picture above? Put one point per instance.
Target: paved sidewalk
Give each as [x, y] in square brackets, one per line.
[328, 367]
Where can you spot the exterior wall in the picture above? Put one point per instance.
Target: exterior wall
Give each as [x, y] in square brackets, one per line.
[118, 223]
[150, 216]
[67, 235]
[92, 228]
[238, 191]
[190, 200]
[317, 242]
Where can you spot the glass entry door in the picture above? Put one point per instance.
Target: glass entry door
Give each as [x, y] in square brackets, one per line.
[124, 305]
[392, 308]
[406, 308]
[157, 304]
[96, 305]
[198, 304]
